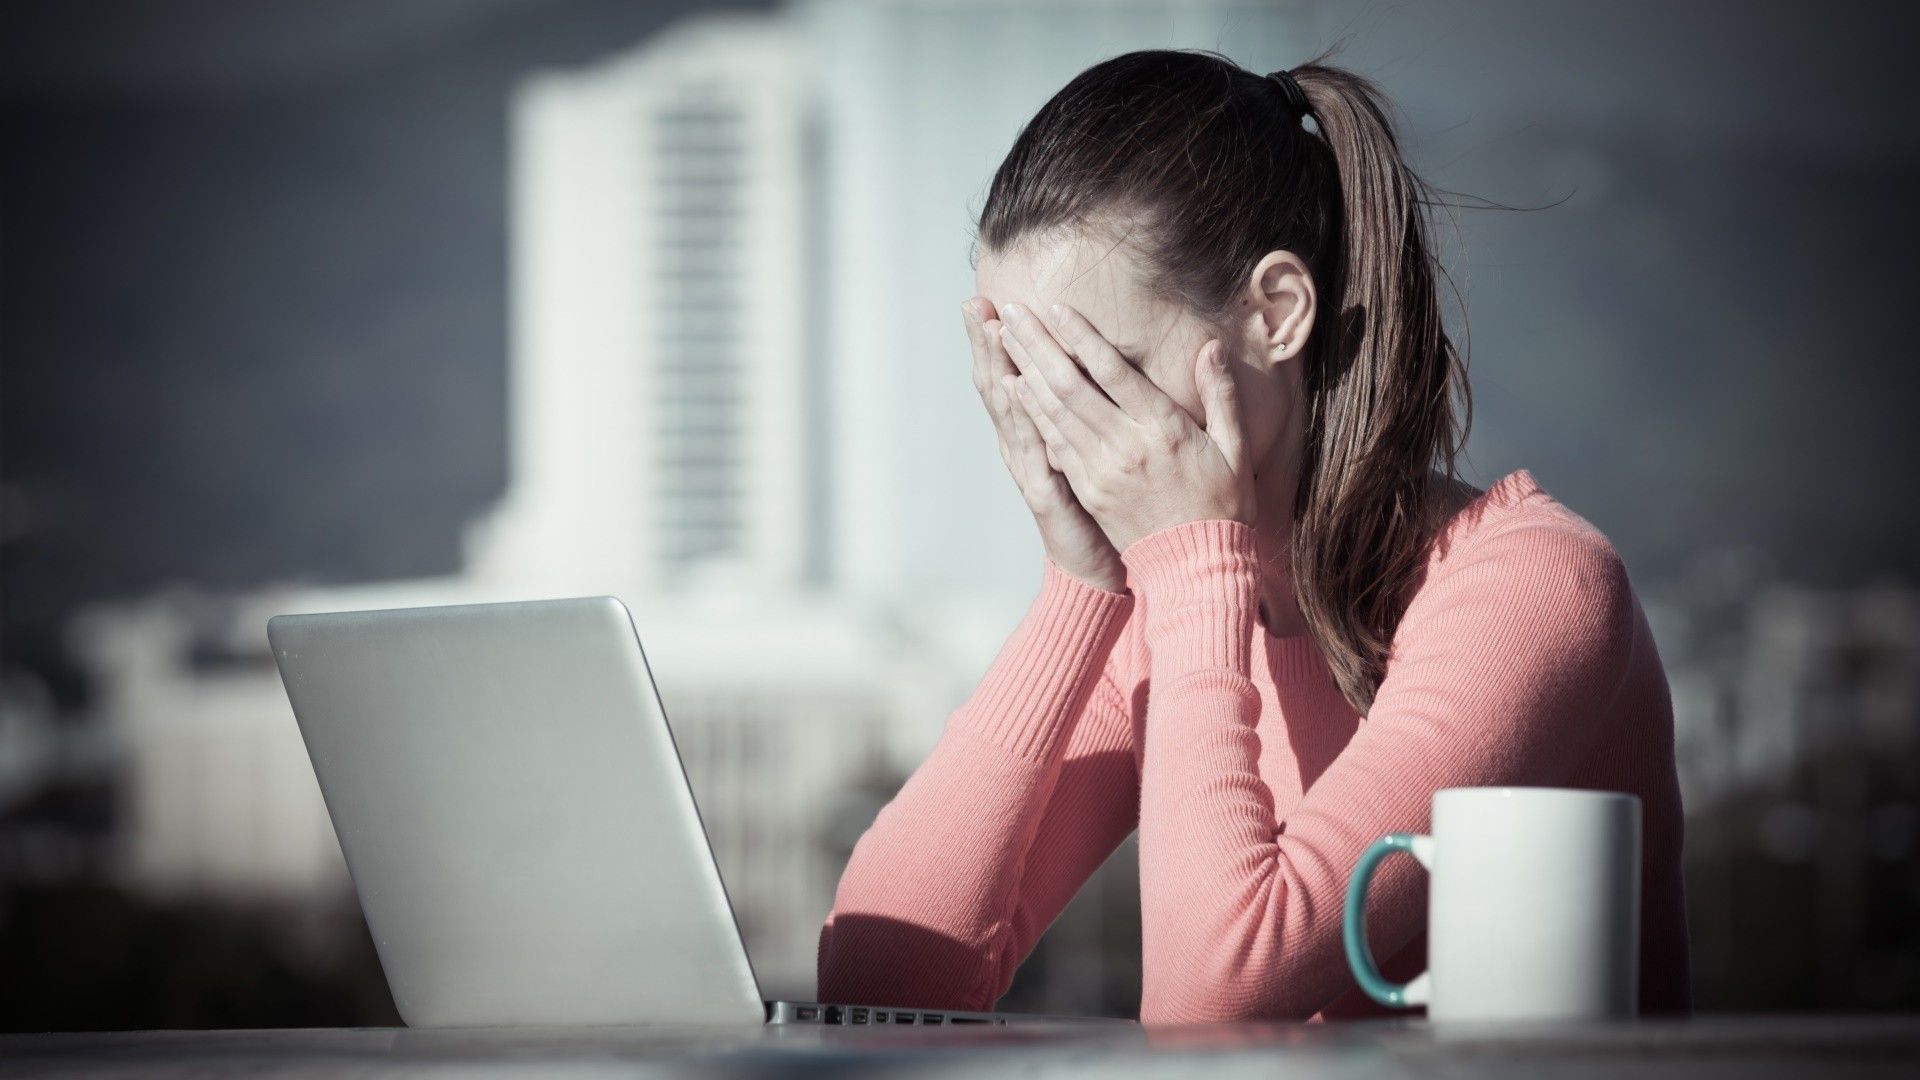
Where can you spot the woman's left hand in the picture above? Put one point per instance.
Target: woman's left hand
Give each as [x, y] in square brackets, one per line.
[1136, 461]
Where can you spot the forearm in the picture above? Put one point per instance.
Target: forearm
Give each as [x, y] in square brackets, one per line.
[924, 901]
[1210, 880]
[923, 912]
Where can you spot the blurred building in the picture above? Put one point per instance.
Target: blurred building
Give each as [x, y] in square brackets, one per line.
[1797, 731]
[1767, 674]
[659, 387]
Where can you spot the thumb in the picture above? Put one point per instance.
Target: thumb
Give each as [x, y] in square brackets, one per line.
[1221, 400]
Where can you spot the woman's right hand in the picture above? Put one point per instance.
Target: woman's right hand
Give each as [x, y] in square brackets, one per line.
[1074, 541]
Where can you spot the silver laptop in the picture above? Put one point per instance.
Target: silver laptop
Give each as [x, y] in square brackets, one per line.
[518, 824]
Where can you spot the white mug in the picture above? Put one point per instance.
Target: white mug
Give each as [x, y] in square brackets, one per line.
[1534, 913]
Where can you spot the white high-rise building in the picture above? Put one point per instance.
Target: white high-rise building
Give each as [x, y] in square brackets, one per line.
[658, 385]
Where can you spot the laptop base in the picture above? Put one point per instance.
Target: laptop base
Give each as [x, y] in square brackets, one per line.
[813, 1012]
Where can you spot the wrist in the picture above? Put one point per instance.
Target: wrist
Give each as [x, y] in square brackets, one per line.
[1110, 580]
[1200, 583]
[1128, 533]
[1210, 560]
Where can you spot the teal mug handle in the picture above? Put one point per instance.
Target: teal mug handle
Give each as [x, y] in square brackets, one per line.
[1392, 995]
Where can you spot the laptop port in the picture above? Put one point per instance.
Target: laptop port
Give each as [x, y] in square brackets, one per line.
[806, 1012]
[833, 1014]
[879, 1016]
[932, 1018]
[856, 1016]
[903, 1018]
[969, 1020]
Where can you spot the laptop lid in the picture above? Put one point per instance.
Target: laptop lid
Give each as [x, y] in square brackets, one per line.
[515, 816]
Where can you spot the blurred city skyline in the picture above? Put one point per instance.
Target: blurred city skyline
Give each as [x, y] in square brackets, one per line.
[360, 304]
[306, 258]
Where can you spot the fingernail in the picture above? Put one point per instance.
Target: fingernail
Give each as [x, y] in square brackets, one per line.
[1012, 313]
[1006, 334]
[1219, 356]
[970, 309]
[1057, 315]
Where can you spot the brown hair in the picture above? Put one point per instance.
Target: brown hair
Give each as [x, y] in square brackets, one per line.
[1213, 170]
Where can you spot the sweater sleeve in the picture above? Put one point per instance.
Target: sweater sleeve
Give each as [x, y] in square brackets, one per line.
[1029, 788]
[1500, 672]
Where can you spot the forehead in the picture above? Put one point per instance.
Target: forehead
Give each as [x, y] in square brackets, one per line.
[1093, 276]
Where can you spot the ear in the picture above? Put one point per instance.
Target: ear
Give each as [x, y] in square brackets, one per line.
[1279, 303]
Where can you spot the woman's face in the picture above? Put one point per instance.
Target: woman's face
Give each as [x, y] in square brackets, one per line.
[1099, 280]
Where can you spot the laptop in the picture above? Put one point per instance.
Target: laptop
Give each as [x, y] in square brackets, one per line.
[518, 824]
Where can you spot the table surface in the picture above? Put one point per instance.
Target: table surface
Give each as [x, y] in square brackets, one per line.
[1743, 1046]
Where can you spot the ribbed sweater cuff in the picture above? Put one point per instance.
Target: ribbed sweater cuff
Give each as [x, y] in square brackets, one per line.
[1200, 582]
[1036, 686]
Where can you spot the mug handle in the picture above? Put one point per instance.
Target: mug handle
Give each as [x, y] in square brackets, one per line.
[1393, 995]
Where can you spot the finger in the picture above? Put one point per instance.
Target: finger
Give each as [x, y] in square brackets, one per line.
[1029, 451]
[998, 362]
[1006, 413]
[995, 408]
[1001, 408]
[974, 314]
[1132, 391]
[1064, 380]
[1032, 440]
[1057, 444]
[1047, 398]
[1033, 467]
[1026, 437]
[999, 365]
[1221, 400]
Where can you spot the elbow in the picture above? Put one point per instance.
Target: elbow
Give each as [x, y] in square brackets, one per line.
[831, 972]
[1193, 973]
[1242, 967]
[1165, 1001]
[878, 960]
[1225, 996]
[1216, 997]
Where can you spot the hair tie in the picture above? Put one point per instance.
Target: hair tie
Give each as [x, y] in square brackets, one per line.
[1290, 90]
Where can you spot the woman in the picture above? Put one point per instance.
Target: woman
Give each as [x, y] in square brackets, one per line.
[1271, 621]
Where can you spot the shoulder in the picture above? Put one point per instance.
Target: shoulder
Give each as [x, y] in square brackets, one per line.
[1523, 633]
[1515, 556]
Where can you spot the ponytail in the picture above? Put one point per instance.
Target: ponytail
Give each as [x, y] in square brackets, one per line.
[1382, 432]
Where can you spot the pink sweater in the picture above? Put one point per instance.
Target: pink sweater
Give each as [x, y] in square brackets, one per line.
[1523, 658]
